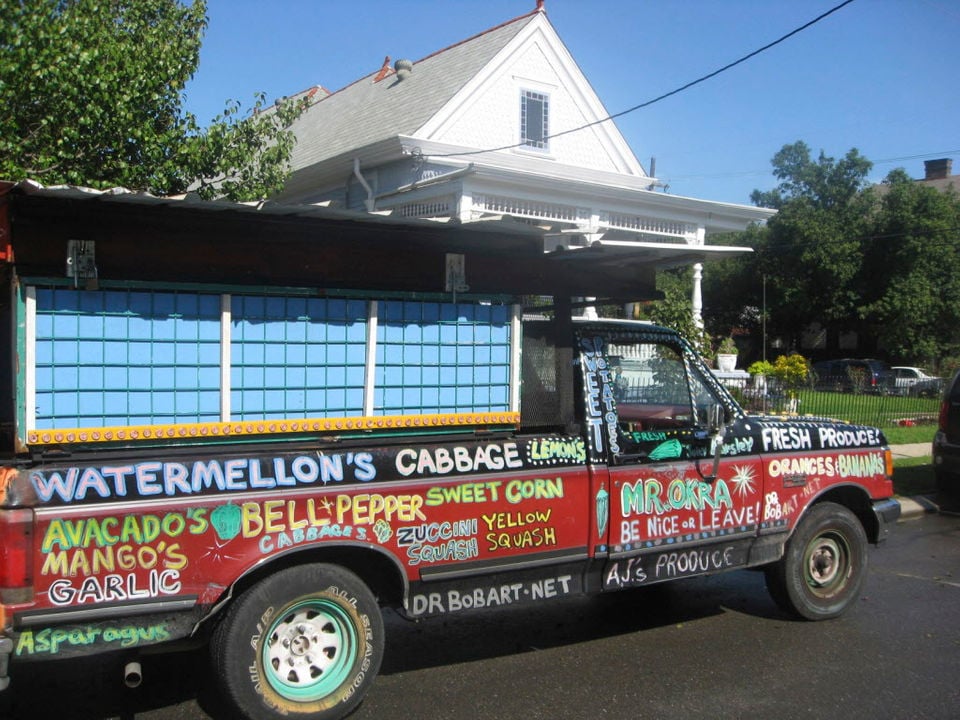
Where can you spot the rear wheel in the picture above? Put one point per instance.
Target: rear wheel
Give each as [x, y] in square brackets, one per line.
[822, 570]
[305, 643]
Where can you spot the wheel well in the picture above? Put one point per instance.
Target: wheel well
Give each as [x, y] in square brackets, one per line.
[376, 570]
[858, 502]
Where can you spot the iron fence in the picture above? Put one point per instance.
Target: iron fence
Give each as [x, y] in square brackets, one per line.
[880, 409]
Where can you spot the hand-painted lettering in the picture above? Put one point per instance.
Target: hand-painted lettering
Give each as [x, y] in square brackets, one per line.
[366, 509]
[600, 406]
[174, 479]
[838, 437]
[65, 534]
[50, 640]
[454, 600]
[458, 459]
[552, 451]
[442, 552]
[464, 493]
[786, 437]
[114, 588]
[83, 561]
[651, 497]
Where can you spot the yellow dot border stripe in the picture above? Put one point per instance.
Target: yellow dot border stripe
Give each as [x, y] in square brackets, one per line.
[244, 428]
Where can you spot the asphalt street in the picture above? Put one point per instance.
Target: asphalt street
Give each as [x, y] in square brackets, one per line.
[711, 647]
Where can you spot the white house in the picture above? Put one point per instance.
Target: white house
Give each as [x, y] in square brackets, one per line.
[501, 124]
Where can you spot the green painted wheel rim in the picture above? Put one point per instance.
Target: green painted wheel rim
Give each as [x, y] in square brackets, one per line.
[309, 650]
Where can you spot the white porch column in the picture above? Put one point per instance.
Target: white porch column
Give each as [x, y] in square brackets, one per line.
[590, 311]
[464, 211]
[697, 298]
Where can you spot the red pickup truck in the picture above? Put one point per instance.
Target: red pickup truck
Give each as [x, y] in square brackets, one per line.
[266, 465]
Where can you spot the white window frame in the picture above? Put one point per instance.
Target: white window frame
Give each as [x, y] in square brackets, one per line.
[543, 144]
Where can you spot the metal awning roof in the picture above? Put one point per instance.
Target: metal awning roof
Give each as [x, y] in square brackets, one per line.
[139, 237]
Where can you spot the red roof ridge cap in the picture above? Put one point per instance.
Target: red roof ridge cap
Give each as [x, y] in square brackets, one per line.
[384, 70]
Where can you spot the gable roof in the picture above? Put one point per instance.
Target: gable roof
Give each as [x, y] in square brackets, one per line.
[372, 110]
[447, 111]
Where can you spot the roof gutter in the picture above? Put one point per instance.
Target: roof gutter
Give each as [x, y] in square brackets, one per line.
[434, 180]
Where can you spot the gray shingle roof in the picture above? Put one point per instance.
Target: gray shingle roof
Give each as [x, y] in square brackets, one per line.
[943, 184]
[367, 112]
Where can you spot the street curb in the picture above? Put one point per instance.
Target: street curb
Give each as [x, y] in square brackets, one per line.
[912, 507]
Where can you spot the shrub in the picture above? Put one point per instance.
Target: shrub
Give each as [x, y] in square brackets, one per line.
[727, 347]
[761, 367]
[791, 370]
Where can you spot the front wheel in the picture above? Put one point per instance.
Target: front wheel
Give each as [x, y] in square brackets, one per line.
[305, 642]
[822, 570]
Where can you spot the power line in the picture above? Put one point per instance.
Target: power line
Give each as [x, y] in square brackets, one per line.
[917, 157]
[665, 95]
[748, 173]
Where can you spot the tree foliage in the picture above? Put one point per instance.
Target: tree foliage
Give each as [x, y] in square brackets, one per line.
[791, 370]
[92, 94]
[847, 257]
[812, 257]
[912, 295]
[675, 310]
[824, 183]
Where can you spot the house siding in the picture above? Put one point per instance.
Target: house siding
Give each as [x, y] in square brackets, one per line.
[492, 119]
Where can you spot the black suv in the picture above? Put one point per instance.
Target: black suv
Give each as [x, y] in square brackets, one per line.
[853, 375]
[946, 443]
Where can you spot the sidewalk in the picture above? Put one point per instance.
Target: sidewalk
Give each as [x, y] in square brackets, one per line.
[912, 450]
[911, 507]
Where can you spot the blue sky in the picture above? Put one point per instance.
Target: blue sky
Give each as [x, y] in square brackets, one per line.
[877, 75]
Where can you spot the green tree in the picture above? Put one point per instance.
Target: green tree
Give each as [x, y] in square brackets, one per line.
[811, 251]
[824, 183]
[813, 254]
[912, 296]
[733, 292]
[675, 310]
[92, 94]
[879, 261]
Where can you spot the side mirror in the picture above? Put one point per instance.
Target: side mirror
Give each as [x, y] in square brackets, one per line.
[716, 418]
[717, 429]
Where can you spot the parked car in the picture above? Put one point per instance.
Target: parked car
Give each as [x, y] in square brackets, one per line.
[914, 381]
[853, 375]
[946, 441]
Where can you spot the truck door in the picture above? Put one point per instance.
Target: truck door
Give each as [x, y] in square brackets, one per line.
[673, 511]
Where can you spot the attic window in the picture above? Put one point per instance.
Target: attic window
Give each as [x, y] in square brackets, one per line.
[534, 117]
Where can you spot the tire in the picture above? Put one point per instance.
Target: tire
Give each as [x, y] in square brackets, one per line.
[947, 484]
[303, 643]
[825, 561]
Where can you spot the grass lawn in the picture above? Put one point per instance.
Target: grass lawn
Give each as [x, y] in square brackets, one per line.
[897, 435]
[913, 475]
[879, 410]
[904, 420]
